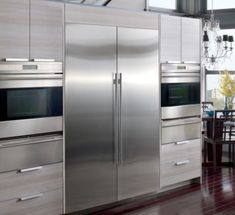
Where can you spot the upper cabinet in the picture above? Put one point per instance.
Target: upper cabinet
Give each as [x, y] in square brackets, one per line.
[191, 37]
[14, 29]
[180, 39]
[46, 30]
[170, 38]
[31, 29]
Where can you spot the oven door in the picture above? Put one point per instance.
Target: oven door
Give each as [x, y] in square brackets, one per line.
[180, 96]
[30, 104]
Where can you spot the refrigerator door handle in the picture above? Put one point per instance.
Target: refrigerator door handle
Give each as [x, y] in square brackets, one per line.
[120, 149]
[115, 118]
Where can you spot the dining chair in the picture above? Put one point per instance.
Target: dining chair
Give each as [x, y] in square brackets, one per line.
[223, 130]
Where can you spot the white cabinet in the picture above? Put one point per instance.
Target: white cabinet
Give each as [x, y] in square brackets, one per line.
[170, 48]
[180, 39]
[46, 30]
[180, 162]
[31, 29]
[14, 28]
[191, 34]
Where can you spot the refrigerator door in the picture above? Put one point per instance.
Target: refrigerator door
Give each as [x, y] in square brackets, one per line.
[90, 161]
[139, 112]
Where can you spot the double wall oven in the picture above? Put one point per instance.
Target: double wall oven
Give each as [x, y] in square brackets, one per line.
[31, 98]
[180, 102]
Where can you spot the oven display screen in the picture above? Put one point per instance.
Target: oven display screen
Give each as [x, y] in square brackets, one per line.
[30, 67]
[30, 103]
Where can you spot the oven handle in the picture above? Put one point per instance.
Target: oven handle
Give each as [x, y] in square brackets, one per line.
[30, 141]
[183, 79]
[178, 122]
[30, 76]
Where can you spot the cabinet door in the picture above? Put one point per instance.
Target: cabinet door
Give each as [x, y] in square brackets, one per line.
[90, 159]
[14, 28]
[191, 35]
[170, 39]
[138, 115]
[46, 30]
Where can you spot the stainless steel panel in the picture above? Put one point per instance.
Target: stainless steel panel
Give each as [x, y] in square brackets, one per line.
[75, 13]
[179, 79]
[31, 82]
[39, 67]
[90, 166]
[182, 68]
[25, 155]
[170, 39]
[191, 40]
[178, 131]
[139, 98]
[181, 111]
[30, 126]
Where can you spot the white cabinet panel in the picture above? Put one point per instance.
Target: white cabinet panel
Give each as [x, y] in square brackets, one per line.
[46, 30]
[170, 39]
[191, 40]
[14, 28]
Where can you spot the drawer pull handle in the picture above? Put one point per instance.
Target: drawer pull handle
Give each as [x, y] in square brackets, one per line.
[30, 197]
[30, 169]
[182, 142]
[180, 163]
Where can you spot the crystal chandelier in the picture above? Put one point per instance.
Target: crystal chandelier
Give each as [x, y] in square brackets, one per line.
[215, 46]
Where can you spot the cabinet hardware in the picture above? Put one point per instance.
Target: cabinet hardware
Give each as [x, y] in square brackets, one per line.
[180, 163]
[16, 59]
[30, 169]
[30, 197]
[182, 142]
[43, 60]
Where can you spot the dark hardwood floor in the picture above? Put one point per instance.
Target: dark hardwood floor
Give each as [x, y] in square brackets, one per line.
[216, 195]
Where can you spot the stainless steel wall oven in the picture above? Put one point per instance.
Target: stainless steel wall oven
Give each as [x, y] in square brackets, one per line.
[180, 90]
[31, 98]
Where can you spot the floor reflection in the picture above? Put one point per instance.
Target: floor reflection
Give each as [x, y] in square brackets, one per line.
[216, 195]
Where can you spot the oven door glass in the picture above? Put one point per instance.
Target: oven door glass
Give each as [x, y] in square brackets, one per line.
[175, 94]
[26, 103]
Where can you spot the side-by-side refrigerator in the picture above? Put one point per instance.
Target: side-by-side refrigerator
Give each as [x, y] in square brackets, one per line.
[111, 114]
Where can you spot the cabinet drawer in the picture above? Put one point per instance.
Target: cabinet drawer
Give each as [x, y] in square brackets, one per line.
[38, 204]
[30, 181]
[171, 134]
[180, 162]
[24, 155]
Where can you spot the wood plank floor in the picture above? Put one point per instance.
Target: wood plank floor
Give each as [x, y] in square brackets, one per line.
[216, 195]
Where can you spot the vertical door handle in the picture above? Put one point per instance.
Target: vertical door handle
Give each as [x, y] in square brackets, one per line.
[115, 118]
[120, 120]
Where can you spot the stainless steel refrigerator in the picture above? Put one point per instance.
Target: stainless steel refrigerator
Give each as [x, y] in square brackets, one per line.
[111, 114]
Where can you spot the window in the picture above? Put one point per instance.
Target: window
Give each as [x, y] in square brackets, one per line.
[219, 4]
[166, 4]
[213, 77]
[212, 91]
